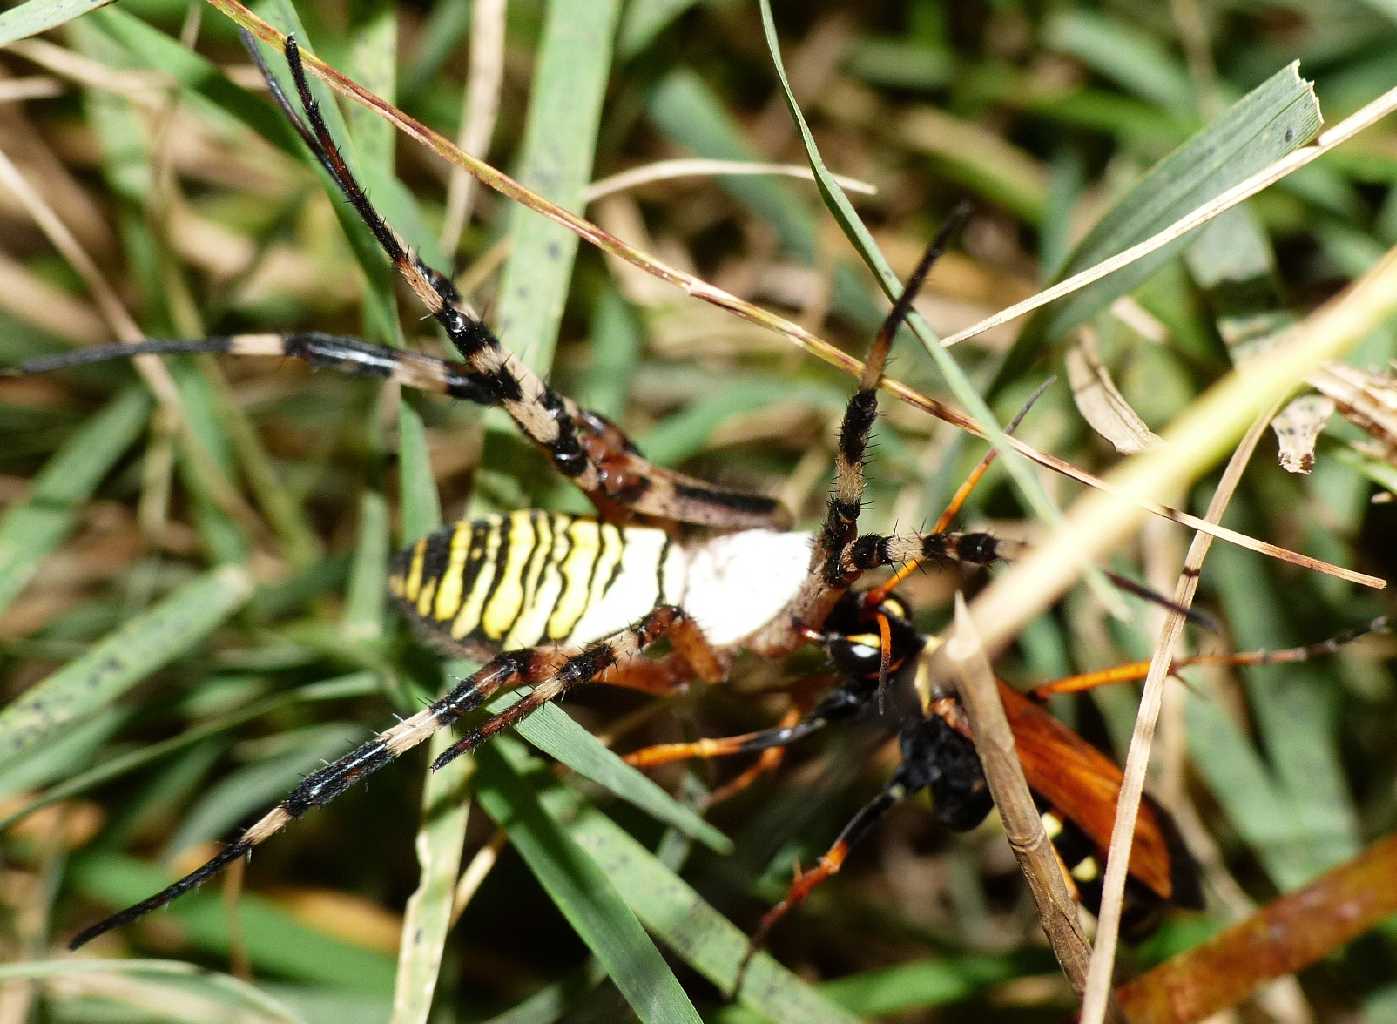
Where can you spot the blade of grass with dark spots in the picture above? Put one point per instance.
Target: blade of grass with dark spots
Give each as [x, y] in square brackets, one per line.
[1276, 117]
[120, 660]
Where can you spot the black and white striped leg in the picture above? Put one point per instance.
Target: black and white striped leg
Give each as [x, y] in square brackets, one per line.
[583, 446]
[549, 670]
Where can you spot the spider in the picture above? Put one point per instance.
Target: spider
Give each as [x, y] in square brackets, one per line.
[556, 601]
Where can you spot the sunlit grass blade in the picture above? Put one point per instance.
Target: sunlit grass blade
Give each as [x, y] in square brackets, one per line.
[554, 732]
[35, 16]
[224, 992]
[697, 933]
[1276, 117]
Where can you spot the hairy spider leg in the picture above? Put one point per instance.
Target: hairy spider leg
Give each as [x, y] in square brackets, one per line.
[599, 459]
[582, 445]
[1133, 671]
[832, 567]
[549, 670]
[879, 594]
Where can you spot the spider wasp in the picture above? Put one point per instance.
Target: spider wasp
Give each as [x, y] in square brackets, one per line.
[555, 601]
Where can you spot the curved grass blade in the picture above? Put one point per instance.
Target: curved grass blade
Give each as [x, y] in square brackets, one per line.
[584, 892]
[1276, 117]
[29, 19]
[862, 240]
[357, 684]
[697, 933]
[119, 661]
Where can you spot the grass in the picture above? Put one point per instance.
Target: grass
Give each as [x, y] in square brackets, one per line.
[191, 588]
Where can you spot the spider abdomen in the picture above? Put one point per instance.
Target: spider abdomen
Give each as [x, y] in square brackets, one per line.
[517, 580]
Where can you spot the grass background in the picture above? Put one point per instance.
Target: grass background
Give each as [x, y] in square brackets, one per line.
[192, 588]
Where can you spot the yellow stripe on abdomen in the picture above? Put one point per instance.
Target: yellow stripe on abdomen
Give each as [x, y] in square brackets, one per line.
[511, 581]
[507, 597]
[453, 580]
[584, 538]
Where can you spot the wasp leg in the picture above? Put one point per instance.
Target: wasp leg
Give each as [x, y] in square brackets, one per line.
[1133, 671]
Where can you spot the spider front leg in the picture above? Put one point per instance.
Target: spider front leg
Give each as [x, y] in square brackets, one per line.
[832, 570]
[583, 446]
[549, 670]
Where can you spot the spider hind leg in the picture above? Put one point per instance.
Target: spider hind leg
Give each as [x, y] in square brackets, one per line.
[549, 670]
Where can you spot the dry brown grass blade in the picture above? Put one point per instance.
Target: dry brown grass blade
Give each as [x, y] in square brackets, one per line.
[1138, 758]
[706, 292]
[1367, 400]
[1100, 401]
[1289, 934]
[1297, 428]
[1023, 825]
[1207, 429]
[482, 107]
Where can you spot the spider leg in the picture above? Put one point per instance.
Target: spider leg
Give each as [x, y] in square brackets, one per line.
[550, 670]
[583, 446]
[569, 667]
[832, 571]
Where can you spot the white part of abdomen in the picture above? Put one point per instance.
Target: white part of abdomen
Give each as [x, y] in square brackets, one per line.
[638, 568]
[734, 584]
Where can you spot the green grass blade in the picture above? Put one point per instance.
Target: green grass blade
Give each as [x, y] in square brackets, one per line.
[35, 16]
[358, 684]
[174, 626]
[1116, 50]
[583, 890]
[445, 803]
[697, 933]
[644, 20]
[364, 610]
[687, 111]
[862, 240]
[559, 147]
[554, 732]
[276, 943]
[1276, 117]
[33, 527]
